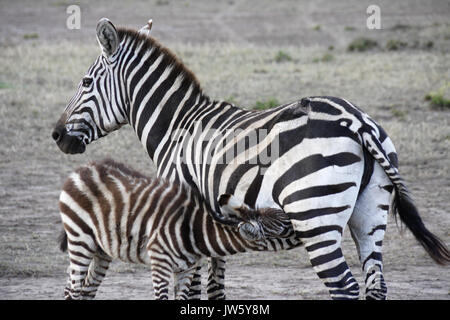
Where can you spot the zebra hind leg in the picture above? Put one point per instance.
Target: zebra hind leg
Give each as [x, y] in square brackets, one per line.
[320, 229]
[329, 263]
[367, 226]
[323, 241]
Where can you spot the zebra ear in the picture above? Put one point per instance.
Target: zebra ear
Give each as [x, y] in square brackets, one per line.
[107, 37]
[146, 29]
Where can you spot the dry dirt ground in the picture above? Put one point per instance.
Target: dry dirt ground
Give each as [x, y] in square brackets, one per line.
[232, 46]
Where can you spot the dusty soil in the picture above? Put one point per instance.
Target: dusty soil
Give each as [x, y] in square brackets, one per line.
[232, 47]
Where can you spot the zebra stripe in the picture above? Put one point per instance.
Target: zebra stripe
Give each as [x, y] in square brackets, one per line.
[291, 157]
[110, 212]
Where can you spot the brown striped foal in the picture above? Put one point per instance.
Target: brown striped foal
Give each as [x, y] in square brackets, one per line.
[112, 212]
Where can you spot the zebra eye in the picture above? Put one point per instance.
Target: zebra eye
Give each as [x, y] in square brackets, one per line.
[87, 81]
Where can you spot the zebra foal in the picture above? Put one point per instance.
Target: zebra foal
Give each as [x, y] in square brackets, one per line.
[110, 212]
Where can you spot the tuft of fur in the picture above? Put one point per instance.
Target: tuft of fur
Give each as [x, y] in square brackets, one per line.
[62, 239]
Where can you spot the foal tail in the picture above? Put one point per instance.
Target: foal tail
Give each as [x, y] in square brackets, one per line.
[62, 239]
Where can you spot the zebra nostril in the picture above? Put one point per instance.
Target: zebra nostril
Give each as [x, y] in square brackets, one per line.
[56, 135]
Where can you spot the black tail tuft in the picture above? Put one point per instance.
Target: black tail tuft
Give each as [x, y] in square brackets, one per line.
[404, 206]
[62, 239]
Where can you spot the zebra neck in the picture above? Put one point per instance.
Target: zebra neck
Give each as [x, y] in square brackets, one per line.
[164, 98]
[186, 146]
[156, 118]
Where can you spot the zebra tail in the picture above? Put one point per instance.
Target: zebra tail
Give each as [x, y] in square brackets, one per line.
[402, 204]
[407, 211]
[62, 239]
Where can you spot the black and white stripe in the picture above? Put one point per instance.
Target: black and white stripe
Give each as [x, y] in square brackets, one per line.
[322, 160]
[112, 212]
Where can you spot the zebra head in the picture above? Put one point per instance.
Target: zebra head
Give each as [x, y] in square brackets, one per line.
[96, 108]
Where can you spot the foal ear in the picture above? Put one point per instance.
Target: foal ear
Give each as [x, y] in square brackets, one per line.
[230, 205]
[107, 37]
[146, 29]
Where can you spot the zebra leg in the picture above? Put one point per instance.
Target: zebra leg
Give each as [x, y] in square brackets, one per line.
[367, 225]
[326, 257]
[319, 222]
[96, 273]
[162, 270]
[81, 254]
[195, 290]
[160, 280]
[79, 266]
[182, 281]
[216, 279]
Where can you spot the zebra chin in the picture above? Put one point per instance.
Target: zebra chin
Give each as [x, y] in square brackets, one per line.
[69, 144]
[72, 146]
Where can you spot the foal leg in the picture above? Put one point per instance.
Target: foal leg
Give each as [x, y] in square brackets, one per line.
[368, 225]
[78, 269]
[216, 279]
[96, 273]
[162, 270]
[195, 291]
[182, 283]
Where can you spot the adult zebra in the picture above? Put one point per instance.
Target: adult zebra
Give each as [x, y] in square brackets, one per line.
[329, 164]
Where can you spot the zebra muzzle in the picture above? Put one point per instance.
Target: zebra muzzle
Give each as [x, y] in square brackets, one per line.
[68, 143]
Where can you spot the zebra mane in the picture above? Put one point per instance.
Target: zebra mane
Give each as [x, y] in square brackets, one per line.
[169, 58]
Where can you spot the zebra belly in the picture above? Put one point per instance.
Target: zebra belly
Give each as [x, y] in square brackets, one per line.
[127, 247]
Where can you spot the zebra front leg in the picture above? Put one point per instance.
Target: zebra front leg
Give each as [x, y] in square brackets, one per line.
[368, 225]
[97, 271]
[216, 279]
